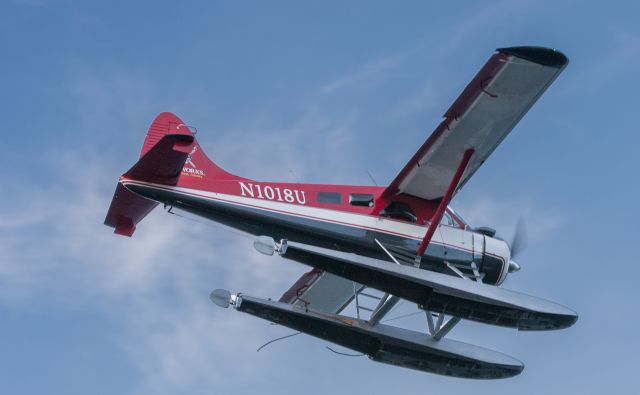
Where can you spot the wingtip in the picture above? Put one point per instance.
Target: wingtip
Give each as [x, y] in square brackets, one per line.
[541, 55]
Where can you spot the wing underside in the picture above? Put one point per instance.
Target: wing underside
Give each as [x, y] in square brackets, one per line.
[321, 291]
[482, 116]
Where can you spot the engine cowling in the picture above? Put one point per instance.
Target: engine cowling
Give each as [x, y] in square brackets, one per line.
[495, 260]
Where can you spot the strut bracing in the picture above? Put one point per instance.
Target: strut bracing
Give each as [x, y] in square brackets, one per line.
[435, 220]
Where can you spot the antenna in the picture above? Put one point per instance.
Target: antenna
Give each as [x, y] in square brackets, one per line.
[371, 177]
[294, 176]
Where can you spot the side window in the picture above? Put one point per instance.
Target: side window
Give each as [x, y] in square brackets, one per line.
[399, 210]
[361, 199]
[457, 219]
[447, 220]
[329, 197]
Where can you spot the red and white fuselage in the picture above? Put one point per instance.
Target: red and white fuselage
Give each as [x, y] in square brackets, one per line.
[345, 217]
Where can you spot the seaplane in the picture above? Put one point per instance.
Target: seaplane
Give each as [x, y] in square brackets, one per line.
[374, 244]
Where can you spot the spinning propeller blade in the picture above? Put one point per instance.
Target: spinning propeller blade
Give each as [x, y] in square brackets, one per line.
[519, 240]
[518, 243]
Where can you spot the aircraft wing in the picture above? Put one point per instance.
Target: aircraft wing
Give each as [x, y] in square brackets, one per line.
[321, 291]
[482, 116]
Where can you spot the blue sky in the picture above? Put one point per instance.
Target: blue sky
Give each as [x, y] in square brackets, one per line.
[328, 92]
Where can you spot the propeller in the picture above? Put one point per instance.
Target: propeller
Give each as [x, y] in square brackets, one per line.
[518, 244]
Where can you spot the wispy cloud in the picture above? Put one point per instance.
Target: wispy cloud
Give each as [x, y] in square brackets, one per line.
[442, 46]
[363, 74]
[155, 284]
[425, 98]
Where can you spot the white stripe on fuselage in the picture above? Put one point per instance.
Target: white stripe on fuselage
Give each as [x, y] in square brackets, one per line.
[370, 222]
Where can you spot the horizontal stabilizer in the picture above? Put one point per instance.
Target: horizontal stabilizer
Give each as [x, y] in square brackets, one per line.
[387, 344]
[126, 210]
[163, 163]
[438, 292]
[160, 163]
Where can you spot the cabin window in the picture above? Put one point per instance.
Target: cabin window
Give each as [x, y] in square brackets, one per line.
[399, 210]
[457, 219]
[329, 197]
[361, 199]
[447, 220]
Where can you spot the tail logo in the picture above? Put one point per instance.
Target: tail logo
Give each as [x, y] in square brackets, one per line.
[189, 160]
[193, 170]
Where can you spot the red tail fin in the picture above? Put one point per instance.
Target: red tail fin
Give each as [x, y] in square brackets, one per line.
[169, 154]
[164, 124]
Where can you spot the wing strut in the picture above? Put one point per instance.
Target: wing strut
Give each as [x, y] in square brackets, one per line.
[435, 220]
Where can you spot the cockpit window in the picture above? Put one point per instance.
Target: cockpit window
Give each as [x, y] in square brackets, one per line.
[457, 219]
[399, 210]
[361, 199]
[447, 220]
